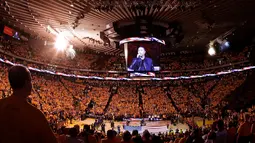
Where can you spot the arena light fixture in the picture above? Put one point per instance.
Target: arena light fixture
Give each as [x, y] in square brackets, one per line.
[223, 45]
[61, 43]
[211, 51]
[226, 44]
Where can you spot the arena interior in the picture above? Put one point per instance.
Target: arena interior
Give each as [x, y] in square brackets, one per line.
[93, 86]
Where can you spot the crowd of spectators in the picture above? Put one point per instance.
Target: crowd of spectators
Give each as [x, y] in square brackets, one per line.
[4, 86]
[156, 102]
[187, 62]
[205, 97]
[125, 103]
[63, 98]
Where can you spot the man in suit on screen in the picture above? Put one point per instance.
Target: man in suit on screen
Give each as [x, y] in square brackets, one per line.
[141, 63]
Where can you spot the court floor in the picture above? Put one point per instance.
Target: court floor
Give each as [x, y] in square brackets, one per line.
[152, 126]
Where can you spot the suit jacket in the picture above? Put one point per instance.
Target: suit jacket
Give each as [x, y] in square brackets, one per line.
[142, 65]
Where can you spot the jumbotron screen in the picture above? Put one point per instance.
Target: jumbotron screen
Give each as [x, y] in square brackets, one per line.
[143, 56]
[8, 31]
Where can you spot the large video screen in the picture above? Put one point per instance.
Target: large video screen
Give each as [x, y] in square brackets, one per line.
[8, 31]
[142, 57]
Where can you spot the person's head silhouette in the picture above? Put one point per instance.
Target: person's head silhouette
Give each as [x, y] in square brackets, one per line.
[20, 81]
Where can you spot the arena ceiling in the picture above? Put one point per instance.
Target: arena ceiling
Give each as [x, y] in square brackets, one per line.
[81, 21]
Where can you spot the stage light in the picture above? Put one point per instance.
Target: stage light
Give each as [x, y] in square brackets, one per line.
[226, 44]
[61, 43]
[211, 51]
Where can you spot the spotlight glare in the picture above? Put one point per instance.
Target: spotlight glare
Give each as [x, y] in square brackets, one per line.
[211, 51]
[61, 43]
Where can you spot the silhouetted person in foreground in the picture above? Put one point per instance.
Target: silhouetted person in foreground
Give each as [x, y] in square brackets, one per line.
[20, 122]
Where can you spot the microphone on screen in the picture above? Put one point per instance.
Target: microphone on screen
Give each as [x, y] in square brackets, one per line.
[139, 56]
